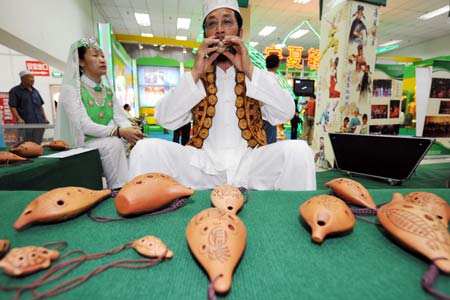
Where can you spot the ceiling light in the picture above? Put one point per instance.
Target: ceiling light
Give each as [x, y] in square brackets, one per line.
[147, 34]
[302, 1]
[253, 44]
[267, 30]
[435, 13]
[390, 43]
[299, 33]
[181, 38]
[280, 46]
[385, 49]
[183, 23]
[142, 19]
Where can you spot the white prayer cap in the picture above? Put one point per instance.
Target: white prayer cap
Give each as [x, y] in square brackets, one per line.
[210, 5]
[24, 73]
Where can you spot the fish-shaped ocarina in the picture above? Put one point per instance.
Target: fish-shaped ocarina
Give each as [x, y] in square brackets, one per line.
[217, 239]
[418, 229]
[227, 197]
[4, 246]
[149, 192]
[351, 191]
[436, 205]
[151, 246]
[57, 145]
[27, 149]
[326, 214]
[8, 157]
[59, 204]
[26, 260]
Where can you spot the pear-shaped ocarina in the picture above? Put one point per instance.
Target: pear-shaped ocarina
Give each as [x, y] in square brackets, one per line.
[8, 157]
[217, 239]
[418, 229]
[151, 246]
[351, 191]
[27, 149]
[227, 197]
[57, 145]
[436, 205]
[149, 192]
[29, 259]
[326, 214]
[4, 246]
[59, 204]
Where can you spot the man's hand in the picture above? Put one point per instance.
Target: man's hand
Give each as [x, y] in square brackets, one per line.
[204, 58]
[241, 59]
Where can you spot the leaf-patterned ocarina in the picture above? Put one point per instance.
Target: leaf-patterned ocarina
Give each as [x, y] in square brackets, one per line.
[437, 206]
[151, 246]
[26, 260]
[227, 197]
[27, 149]
[57, 145]
[8, 157]
[351, 191]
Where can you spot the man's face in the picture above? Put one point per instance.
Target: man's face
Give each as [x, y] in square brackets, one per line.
[28, 80]
[220, 23]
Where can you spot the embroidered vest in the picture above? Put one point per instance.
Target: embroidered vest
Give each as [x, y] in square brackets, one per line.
[247, 111]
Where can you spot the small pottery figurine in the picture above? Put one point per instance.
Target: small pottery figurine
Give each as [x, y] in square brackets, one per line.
[418, 229]
[326, 214]
[227, 197]
[149, 192]
[351, 191]
[8, 157]
[57, 145]
[4, 246]
[59, 204]
[217, 239]
[29, 259]
[151, 246]
[27, 149]
[435, 204]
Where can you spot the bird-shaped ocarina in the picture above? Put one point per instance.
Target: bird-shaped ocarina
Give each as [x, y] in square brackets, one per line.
[326, 214]
[8, 157]
[26, 260]
[151, 246]
[418, 229]
[59, 204]
[436, 205]
[4, 246]
[149, 192]
[57, 145]
[217, 239]
[351, 191]
[227, 197]
[27, 149]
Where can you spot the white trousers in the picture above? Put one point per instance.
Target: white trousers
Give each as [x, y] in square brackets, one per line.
[285, 165]
[114, 160]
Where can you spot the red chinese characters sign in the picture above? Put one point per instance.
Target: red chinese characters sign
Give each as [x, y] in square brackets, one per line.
[37, 68]
[294, 59]
[6, 115]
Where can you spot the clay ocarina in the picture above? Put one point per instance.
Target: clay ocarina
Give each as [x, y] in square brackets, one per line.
[59, 204]
[418, 229]
[8, 157]
[4, 246]
[27, 149]
[151, 246]
[26, 260]
[351, 191]
[227, 197]
[326, 214]
[57, 145]
[149, 192]
[435, 204]
[217, 239]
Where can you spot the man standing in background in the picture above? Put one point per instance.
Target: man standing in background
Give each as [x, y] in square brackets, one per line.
[308, 124]
[272, 64]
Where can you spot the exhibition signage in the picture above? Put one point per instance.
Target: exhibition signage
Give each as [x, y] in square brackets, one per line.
[294, 59]
[37, 68]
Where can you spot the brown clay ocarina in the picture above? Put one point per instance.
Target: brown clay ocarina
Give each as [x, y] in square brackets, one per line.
[4, 246]
[57, 145]
[8, 157]
[351, 191]
[27, 149]
[435, 204]
[227, 197]
[326, 214]
[418, 229]
[217, 239]
[59, 204]
[149, 192]
[151, 246]
[29, 259]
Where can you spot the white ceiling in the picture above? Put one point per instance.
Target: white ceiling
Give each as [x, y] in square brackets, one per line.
[398, 20]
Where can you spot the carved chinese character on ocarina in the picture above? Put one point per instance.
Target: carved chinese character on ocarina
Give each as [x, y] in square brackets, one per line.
[326, 214]
[351, 191]
[418, 229]
[59, 204]
[8, 157]
[217, 239]
[149, 192]
[27, 149]
[436, 205]
[57, 145]
[26, 260]
[151, 246]
[227, 197]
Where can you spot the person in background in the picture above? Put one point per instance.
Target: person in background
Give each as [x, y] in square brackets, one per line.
[364, 126]
[354, 122]
[26, 105]
[272, 64]
[345, 128]
[308, 124]
[184, 132]
[295, 121]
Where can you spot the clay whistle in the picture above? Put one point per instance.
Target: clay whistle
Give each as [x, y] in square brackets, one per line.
[59, 204]
[8, 157]
[326, 214]
[351, 191]
[227, 197]
[4, 246]
[26, 260]
[151, 246]
[57, 145]
[417, 228]
[435, 204]
[149, 192]
[27, 149]
[217, 239]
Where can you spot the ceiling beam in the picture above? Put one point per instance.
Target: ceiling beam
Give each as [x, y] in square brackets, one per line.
[156, 41]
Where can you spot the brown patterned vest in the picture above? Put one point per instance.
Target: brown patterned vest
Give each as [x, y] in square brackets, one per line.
[247, 110]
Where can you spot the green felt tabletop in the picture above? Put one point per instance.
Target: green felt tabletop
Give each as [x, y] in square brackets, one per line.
[280, 260]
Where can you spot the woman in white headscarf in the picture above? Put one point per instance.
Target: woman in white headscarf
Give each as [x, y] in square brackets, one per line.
[89, 115]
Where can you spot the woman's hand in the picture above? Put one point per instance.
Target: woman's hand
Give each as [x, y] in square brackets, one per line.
[131, 134]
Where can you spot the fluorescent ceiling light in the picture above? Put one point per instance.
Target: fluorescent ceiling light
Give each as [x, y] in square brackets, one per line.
[280, 46]
[147, 34]
[435, 13]
[302, 1]
[183, 23]
[299, 33]
[181, 38]
[390, 43]
[142, 19]
[253, 44]
[385, 49]
[267, 30]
